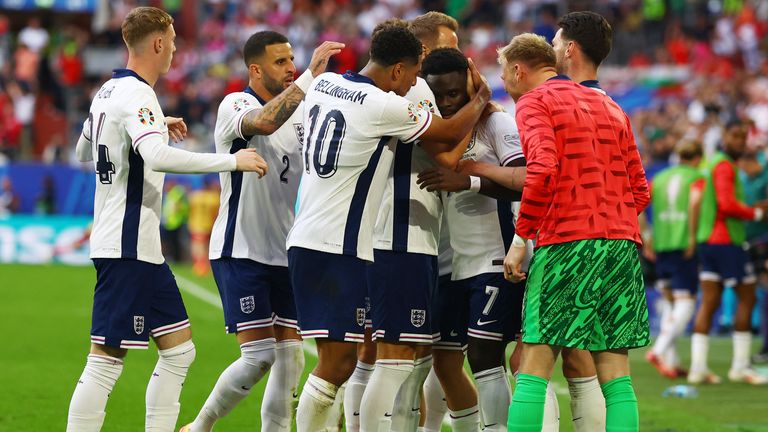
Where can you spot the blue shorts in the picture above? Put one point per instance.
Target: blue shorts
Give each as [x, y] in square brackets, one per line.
[254, 295]
[133, 301]
[330, 292]
[677, 273]
[401, 286]
[728, 264]
[485, 306]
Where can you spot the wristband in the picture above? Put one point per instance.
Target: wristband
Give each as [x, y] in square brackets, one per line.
[758, 214]
[518, 241]
[474, 183]
[304, 80]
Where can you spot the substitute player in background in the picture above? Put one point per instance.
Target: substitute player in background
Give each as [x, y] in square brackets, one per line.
[481, 309]
[351, 120]
[126, 135]
[722, 235]
[248, 243]
[580, 203]
[675, 199]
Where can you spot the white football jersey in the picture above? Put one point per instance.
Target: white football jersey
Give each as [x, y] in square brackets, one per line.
[481, 228]
[445, 253]
[409, 217]
[126, 213]
[350, 127]
[255, 214]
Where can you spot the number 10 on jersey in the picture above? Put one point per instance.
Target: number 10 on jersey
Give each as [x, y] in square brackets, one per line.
[324, 152]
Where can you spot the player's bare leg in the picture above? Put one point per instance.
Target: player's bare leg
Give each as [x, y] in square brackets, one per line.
[176, 353]
[486, 359]
[282, 385]
[102, 369]
[460, 392]
[353, 395]
[336, 362]
[741, 371]
[711, 294]
[587, 401]
[394, 363]
[408, 412]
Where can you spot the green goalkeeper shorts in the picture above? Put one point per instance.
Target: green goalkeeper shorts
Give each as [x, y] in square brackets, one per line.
[586, 294]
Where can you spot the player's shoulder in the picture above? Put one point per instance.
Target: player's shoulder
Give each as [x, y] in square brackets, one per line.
[238, 101]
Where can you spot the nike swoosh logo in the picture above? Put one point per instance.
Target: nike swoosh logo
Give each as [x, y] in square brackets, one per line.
[482, 323]
[356, 413]
[453, 333]
[245, 388]
[386, 414]
[489, 425]
[415, 409]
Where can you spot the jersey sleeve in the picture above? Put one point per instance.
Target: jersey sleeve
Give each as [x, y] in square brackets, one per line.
[640, 191]
[504, 137]
[402, 119]
[144, 119]
[724, 179]
[230, 116]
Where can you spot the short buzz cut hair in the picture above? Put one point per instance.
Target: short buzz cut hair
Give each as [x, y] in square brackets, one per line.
[689, 149]
[142, 22]
[392, 22]
[444, 61]
[394, 44]
[425, 26]
[591, 31]
[256, 45]
[529, 48]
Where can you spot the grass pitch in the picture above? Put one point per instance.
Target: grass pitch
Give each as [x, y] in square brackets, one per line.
[45, 317]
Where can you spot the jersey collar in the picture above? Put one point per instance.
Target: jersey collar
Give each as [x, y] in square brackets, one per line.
[122, 73]
[356, 77]
[560, 78]
[250, 91]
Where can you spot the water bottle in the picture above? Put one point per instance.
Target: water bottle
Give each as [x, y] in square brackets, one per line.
[681, 391]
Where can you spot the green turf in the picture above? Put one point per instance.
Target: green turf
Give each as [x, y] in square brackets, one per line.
[45, 316]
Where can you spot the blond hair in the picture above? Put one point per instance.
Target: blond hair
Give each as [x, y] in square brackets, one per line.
[689, 149]
[528, 48]
[142, 22]
[425, 26]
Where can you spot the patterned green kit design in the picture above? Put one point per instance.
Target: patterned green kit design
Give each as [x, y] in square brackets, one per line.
[586, 294]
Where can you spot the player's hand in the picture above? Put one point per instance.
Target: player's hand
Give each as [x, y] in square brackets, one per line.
[249, 160]
[442, 179]
[177, 129]
[513, 264]
[648, 253]
[690, 251]
[481, 84]
[322, 54]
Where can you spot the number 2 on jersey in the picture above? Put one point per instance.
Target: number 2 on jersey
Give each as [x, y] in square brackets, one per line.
[287, 162]
[104, 167]
[325, 164]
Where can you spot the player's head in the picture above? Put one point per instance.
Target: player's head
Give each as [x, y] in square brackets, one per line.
[445, 70]
[525, 55]
[397, 51]
[735, 138]
[148, 32]
[435, 30]
[583, 36]
[690, 151]
[269, 59]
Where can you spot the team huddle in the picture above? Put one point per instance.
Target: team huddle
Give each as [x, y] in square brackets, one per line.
[390, 214]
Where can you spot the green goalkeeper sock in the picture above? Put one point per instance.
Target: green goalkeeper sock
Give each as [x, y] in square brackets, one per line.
[526, 414]
[621, 406]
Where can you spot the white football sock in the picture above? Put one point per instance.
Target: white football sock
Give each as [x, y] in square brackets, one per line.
[314, 404]
[86, 409]
[551, 411]
[379, 397]
[335, 420]
[353, 395]
[699, 352]
[165, 386]
[671, 359]
[235, 382]
[587, 404]
[436, 405]
[408, 400]
[742, 344]
[495, 395]
[466, 420]
[282, 386]
[666, 325]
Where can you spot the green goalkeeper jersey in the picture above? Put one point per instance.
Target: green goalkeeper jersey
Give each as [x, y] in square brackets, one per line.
[669, 197]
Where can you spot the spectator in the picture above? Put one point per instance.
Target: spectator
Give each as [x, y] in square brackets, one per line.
[9, 201]
[34, 36]
[46, 201]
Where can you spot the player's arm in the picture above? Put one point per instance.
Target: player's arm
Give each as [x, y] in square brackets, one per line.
[637, 179]
[538, 136]
[510, 176]
[723, 178]
[163, 158]
[269, 118]
[447, 180]
[84, 148]
[694, 209]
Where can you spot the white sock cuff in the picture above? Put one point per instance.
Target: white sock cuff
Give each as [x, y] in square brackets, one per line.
[288, 344]
[491, 374]
[466, 412]
[364, 366]
[424, 362]
[742, 336]
[183, 348]
[395, 364]
[699, 338]
[258, 345]
[321, 389]
[101, 359]
[581, 380]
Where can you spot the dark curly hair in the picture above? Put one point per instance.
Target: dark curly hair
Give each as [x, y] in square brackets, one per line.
[395, 44]
[591, 31]
[443, 61]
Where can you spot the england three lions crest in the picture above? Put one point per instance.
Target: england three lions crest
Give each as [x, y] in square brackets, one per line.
[247, 304]
[418, 317]
[138, 324]
[360, 316]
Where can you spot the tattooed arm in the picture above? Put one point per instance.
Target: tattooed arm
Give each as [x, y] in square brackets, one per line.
[269, 118]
